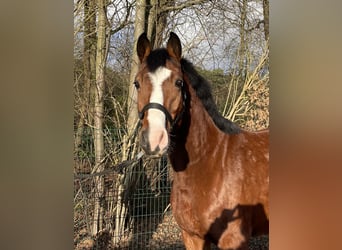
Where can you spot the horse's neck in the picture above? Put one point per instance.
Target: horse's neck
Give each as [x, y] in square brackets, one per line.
[192, 140]
[202, 128]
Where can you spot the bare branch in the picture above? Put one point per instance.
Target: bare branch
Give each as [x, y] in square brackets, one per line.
[182, 6]
[125, 22]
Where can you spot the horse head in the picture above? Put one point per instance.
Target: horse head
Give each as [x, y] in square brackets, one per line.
[160, 93]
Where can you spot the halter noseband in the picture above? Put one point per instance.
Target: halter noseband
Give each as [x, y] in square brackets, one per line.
[154, 105]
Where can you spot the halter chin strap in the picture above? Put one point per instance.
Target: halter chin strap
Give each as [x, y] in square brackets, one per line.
[154, 105]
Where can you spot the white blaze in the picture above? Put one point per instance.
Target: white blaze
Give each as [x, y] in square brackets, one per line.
[156, 118]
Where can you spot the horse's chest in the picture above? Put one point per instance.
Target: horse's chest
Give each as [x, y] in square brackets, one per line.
[187, 211]
[183, 210]
[193, 199]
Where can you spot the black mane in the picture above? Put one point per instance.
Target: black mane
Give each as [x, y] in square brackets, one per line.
[203, 91]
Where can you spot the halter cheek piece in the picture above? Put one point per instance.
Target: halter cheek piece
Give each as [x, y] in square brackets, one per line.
[154, 105]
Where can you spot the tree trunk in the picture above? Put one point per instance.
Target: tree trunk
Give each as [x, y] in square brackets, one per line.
[89, 53]
[139, 25]
[151, 21]
[121, 208]
[98, 116]
[266, 8]
[242, 30]
[157, 20]
[162, 15]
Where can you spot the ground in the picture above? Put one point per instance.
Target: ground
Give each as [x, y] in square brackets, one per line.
[166, 236]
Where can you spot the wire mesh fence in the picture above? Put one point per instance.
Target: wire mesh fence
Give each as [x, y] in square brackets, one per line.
[139, 219]
[135, 203]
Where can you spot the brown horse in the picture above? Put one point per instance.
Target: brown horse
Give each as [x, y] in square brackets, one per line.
[220, 183]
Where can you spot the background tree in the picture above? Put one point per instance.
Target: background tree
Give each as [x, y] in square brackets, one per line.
[98, 113]
[266, 12]
[85, 89]
[139, 25]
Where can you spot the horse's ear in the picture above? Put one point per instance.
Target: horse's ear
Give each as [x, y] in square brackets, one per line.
[174, 47]
[143, 47]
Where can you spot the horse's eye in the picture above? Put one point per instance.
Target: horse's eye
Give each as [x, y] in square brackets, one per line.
[136, 84]
[179, 83]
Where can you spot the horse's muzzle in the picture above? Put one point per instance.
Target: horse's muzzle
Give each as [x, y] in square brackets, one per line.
[147, 141]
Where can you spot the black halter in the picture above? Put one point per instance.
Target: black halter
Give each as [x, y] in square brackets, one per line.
[154, 105]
